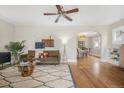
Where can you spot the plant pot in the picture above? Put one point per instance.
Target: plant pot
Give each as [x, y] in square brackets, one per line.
[17, 59]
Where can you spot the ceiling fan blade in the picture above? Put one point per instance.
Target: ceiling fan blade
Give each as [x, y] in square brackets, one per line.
[68, 18]
[50, 13]
[71, 11]
[58, 7]
[57, 19]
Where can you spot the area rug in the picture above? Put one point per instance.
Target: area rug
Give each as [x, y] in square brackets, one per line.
[44, 76]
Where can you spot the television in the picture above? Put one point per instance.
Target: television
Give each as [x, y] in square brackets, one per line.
[39, 45]
[5, 57]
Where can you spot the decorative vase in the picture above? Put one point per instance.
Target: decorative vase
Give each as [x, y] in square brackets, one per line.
[17, 59]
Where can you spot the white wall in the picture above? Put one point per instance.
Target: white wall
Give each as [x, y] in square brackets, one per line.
[114, 27]
[117, 25]
[94, 51]
[6, 34]
[105, 44]
[109, 37]
[32, 34]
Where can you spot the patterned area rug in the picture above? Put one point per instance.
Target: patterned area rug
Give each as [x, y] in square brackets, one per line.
[44, 76]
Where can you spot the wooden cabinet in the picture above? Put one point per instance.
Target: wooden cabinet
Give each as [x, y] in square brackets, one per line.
[121, 61]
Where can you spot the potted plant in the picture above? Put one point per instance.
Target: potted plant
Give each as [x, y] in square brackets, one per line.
[16, 48]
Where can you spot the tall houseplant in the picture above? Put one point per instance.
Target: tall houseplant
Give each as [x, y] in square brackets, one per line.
[16, 48]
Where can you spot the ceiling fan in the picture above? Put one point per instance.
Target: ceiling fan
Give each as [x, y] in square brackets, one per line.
[62, 12]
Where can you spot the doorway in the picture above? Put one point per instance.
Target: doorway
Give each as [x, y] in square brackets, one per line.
[89, 44]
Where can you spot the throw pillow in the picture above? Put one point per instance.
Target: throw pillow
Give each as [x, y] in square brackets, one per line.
[45, 54]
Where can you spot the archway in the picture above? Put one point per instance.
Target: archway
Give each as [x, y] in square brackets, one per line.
[89, 43]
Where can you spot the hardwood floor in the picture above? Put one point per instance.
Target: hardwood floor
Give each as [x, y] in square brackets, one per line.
[89, 72]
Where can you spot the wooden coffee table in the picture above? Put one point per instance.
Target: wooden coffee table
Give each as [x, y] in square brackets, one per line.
[26, 69]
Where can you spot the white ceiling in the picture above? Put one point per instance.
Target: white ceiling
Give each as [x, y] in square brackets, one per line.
[87, 15]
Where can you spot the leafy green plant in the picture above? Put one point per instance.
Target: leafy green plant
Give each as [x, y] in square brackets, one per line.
[83, 48]
[16, 48]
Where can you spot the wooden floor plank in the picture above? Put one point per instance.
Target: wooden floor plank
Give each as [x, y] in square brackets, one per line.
[89, 72]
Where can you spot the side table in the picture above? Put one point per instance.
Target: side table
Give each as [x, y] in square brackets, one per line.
[26, 68]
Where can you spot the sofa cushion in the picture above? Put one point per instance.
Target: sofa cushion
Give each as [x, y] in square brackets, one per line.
[31, 53]
[53, 53]
[23, 57]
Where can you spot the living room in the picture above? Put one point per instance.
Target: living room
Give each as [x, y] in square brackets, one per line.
[27, 22]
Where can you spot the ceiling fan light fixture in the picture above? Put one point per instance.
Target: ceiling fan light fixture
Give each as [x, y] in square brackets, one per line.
[63, 13]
